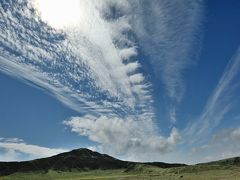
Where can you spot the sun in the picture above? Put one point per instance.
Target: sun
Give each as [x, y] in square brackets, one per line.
[58, 13]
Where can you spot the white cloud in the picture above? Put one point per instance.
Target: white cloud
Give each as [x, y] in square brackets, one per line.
[223, 144]
[9, 155]
[11, 140]
[136, 78]
[132, 139]
[235, 135]
[13, 148]
[231, 136]
[127, 53]
[131, 67]
[220, 102]
[173, 115]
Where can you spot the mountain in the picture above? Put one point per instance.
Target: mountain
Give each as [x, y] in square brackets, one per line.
[80, 160]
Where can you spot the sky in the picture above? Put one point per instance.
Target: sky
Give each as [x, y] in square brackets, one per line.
[139, 80]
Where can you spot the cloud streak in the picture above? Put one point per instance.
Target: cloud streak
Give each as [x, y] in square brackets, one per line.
[13, 149]
[169, 33]
[219, 103]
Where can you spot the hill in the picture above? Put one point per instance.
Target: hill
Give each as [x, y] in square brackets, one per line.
[76, 160]
[225, 162]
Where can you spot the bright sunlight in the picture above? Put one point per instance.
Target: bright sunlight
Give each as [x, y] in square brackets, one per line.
[59, 13]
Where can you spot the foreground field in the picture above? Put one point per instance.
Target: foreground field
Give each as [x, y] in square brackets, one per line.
[139, 172]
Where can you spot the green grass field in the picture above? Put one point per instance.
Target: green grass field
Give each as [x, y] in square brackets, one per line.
[139, 172]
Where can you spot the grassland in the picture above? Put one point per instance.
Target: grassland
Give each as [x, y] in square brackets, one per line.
[139, 172]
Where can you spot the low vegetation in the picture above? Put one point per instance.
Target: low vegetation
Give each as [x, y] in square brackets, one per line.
[140, 172]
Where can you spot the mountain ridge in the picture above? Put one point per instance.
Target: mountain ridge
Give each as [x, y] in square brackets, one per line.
[79, 159]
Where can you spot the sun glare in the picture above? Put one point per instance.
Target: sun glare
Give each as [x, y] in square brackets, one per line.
[58, 13]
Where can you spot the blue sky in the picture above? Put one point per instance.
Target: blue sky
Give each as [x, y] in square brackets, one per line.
[138, 80]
